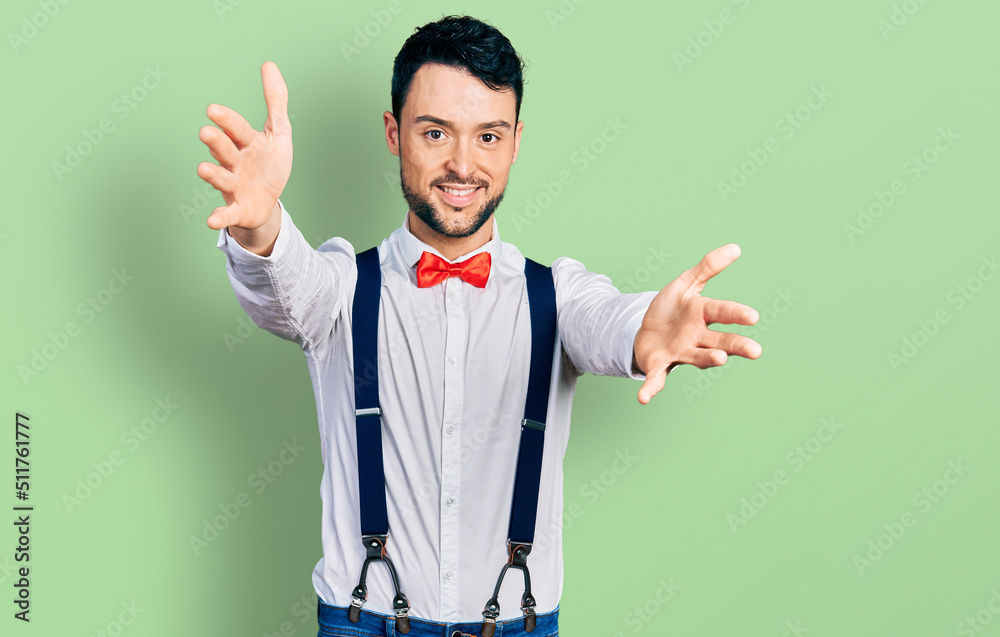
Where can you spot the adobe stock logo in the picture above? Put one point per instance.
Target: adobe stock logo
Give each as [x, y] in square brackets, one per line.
[88, 310]
[796, 458]
[132, 439]
[582, 159]
[900, 17]
[959, 296]
[636, 282]
[364, 34]
[644, 613]
[229, 511]
[914, 170]
[974, 624]
[125, 618]
[245, 328]
[122, 106]
[592, 490]
[894, 530]
[788, 126]
[701, 41]
[30, 26]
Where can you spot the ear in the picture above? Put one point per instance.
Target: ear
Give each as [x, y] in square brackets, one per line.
[517, 139]
[391, 133]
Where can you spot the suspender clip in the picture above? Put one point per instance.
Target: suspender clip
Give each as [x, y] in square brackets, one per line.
[375, 550]
[490, 624]
[517, 558]
[354, 612]
[402, 621]
[533, 424]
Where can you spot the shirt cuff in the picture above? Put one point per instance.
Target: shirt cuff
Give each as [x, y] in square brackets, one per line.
[242, 256]
[629, 332]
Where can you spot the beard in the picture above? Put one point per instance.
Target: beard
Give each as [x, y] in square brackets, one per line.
[430, 215]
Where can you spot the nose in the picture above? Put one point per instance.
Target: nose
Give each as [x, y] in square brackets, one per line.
[460, 161]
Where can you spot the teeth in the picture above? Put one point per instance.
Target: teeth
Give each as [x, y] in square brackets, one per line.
[456, 192]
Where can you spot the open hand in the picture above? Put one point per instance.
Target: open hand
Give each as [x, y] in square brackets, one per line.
[253, 165]
[674, 330]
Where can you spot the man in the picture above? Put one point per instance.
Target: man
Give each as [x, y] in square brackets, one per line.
[452, 350]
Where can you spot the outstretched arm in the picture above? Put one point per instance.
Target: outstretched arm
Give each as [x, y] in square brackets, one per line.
[674, 330]
[283, 284]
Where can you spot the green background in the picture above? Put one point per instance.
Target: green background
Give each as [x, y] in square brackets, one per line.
[837, 305]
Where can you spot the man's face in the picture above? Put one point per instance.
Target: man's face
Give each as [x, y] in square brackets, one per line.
[456, 141]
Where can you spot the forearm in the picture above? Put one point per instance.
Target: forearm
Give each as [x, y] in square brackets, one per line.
[294, 291]
[597, 323]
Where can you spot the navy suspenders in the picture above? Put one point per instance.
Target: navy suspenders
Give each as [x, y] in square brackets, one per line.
[368, 416]
[371, 474]
[521, 531]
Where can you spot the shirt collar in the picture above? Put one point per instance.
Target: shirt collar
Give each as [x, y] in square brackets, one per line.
[411, 247]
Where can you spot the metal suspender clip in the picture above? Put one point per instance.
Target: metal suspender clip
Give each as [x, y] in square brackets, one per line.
[375, 550]
[517, 558]
[534, 424]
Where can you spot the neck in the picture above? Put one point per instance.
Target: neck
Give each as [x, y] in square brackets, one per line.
[450, 247]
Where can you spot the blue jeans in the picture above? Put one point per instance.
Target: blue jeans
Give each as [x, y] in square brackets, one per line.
[333, 622]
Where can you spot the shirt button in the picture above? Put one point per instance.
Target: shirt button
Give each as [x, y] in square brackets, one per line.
[448, 575]
[452, 360]
[450, 501]
[451, 430]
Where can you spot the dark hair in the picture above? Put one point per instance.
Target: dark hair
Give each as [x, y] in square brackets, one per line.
[463, 42]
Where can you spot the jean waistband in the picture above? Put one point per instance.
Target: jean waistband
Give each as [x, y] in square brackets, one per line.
[333, 618]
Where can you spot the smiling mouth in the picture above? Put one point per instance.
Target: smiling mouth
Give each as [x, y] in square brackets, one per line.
[459, 196]
[458, 192]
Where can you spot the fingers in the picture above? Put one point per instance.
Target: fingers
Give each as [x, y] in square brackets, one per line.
[275, 95]
[232, 123]
[711, 264]
[223, 217]
[652, 386]
[703, 358]
[220, 178]
[729, 312]
[699, 357]
[219, 144]
[731, 344]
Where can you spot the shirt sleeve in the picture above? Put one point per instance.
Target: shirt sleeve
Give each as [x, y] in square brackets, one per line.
[597, 323]
[296, 292]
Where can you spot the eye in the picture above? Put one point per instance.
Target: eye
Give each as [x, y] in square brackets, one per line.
[434, 133]
[491, 137]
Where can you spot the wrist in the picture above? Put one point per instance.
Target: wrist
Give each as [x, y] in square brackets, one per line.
[260, 240]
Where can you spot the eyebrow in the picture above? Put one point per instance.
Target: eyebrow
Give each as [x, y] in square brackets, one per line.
[443, 122]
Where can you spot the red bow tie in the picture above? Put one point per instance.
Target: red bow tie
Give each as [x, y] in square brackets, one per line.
[432, 269]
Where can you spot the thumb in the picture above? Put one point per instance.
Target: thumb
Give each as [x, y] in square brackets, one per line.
[223, 217]
[652, 385]
[275, 94]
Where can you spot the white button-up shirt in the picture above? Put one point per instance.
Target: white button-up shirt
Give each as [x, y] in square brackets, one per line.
[453, 365]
